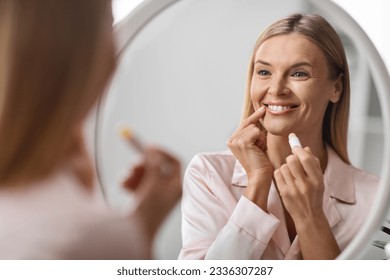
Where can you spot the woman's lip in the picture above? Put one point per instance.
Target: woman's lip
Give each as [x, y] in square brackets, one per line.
[280, 104]
[280, 109]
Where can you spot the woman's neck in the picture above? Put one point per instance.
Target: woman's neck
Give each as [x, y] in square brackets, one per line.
[279, 148]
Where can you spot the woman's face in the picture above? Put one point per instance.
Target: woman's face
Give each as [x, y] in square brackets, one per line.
[291, 79]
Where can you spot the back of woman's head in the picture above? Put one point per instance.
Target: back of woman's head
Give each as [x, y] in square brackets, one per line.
[320, 32]
[49, 80]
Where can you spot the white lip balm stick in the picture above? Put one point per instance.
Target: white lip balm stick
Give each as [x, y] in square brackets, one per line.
[294, 141]
[387, 250]
[128, 135]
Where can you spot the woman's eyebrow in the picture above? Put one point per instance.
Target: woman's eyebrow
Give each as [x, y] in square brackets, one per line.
[262, 62]
[303, 63]
[298, 64]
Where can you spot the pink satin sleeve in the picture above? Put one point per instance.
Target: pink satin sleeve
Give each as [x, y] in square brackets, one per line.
[214, 224]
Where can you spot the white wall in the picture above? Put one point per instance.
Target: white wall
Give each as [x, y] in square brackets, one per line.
[372, 16]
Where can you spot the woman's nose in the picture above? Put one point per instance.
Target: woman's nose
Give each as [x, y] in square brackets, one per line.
[278, 86]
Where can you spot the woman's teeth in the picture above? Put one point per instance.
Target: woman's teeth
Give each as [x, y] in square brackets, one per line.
[278, 108]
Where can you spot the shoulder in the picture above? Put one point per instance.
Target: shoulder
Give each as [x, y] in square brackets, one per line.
[346, 182]
[119, 235]
[353, 213]
[364, 176]
[364, 182]
[210, 169]
[342, 170]
[360, 185]
[212, 162]
[214, 156]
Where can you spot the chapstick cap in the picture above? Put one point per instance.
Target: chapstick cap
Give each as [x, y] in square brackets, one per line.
[294, 141]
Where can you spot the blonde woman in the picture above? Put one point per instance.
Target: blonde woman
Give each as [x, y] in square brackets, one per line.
[264, 199]
[56, 59]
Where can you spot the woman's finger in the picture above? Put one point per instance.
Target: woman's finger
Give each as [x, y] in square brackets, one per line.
[248, 135]
[309, 162]
[280, 182]
[287, 175]
[296, 168]
[160, 163]
[254, 118]
[132, 181]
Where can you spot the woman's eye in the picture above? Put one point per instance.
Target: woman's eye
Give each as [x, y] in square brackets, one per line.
[263, 73]
[300, 74]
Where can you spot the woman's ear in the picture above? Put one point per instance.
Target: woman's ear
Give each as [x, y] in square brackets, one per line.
[337, 89]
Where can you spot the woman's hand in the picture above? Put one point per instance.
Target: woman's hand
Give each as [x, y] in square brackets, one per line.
[157, 184]
[248, 145]
[301, 186]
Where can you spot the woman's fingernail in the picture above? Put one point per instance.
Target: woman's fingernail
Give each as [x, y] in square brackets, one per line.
[261, 109]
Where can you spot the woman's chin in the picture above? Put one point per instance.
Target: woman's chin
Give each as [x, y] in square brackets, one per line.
[278, 127]
[279, 131]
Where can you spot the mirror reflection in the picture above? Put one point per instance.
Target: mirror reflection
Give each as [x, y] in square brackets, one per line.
[181, 83]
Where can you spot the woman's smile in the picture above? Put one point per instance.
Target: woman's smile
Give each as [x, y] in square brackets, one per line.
[280, 108]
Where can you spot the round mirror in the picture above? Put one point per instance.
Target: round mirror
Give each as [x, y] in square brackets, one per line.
[180, 84]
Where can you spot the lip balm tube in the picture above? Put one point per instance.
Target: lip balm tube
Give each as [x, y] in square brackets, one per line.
[294, 141]
[128, 135]
[387, 250]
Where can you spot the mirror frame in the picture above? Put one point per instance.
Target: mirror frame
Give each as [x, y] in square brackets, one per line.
[127, 29]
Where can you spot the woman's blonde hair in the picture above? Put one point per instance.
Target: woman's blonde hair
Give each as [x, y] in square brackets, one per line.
[321, 33]
[50, 48]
